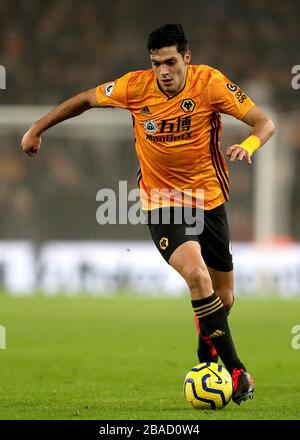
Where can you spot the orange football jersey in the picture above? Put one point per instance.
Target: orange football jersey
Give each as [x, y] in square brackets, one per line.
[177, 139]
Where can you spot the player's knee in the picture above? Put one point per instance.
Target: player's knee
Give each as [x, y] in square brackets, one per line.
[198, 280]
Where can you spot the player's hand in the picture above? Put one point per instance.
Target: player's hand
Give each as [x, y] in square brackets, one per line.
[237, 152]
[31, 143]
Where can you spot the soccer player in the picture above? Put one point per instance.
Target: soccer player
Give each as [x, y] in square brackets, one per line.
[176, 110]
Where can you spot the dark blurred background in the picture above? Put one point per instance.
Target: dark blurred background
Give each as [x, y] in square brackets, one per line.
[55, 49]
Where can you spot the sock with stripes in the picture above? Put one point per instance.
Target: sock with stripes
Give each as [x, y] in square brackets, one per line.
[213, 317]
[206, 351]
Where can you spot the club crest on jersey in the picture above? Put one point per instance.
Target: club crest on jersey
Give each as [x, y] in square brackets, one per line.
[109, 89]
[187, 105]
[150, 126]
[231, 87]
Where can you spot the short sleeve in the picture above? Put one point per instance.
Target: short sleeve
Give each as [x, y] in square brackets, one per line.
[114, 93]
[227, 97]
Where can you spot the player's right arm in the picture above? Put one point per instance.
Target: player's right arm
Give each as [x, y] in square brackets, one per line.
[111, 94]
[74, 106]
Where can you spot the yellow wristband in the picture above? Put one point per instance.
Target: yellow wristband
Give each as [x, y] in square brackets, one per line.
[251, 144]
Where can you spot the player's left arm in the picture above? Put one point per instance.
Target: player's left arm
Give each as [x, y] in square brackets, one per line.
[262, 129]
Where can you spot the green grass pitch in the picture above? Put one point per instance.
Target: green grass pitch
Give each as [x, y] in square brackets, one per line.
[126, 358]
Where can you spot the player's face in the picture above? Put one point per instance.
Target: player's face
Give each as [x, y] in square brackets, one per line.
[170, 68]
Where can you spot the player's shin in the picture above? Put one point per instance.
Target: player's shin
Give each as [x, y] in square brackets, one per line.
[213, 317]
[206, 351]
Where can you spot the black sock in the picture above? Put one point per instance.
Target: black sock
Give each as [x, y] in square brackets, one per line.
[213, 317]
[206, 351]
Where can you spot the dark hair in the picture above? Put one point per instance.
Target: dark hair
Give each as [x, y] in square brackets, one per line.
[168, 35]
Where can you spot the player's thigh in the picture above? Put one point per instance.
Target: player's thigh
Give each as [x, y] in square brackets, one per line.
[223, 285]
[215, 241]
[166, 234]
[187, 256]
[188, 262]
[181, 251]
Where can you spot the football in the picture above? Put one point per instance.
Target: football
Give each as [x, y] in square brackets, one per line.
[208, 386]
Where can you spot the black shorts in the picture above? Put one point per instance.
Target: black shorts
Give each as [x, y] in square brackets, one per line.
[214, 238]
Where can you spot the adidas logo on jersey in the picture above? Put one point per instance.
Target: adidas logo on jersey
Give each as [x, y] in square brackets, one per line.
[145, 110]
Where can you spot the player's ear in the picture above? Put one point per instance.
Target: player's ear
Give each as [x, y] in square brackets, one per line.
[187, 57]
